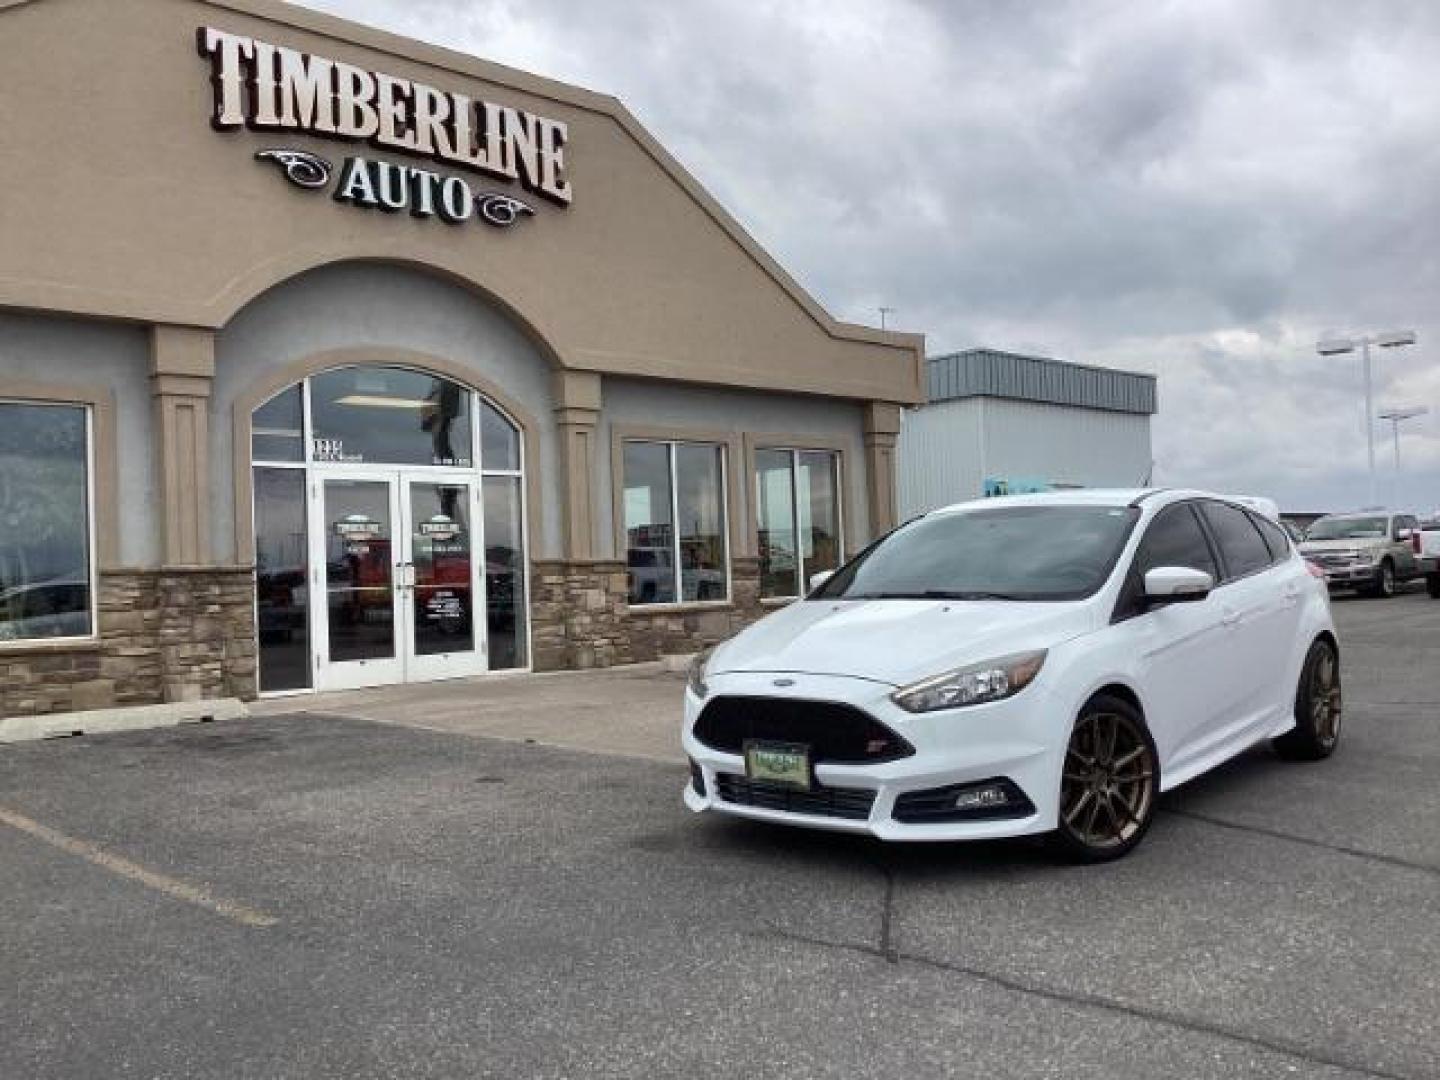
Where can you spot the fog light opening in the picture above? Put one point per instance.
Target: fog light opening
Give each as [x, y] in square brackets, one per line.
[981, 800]
[990, 797]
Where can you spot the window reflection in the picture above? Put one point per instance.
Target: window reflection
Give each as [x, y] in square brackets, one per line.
[389, 415]
[360, 598]
[817, 495]
[798, 518]
[281, 588]
[277, 428]
[505, 605]
[44, 521]
[649, 535]
[775, 515]
[700, 506]
[499, 441]
[674, 508]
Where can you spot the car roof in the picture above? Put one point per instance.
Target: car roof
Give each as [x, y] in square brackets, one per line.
[1151, 496]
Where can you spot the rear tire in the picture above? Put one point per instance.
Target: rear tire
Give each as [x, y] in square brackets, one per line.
[1432, 586]
[1318, 707]
[1110, 782]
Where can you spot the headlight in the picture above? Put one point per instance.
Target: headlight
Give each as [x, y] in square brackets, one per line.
[993, 680]
[695, 677]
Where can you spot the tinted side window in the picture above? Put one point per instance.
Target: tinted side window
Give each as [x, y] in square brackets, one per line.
[1276, 539]
[1241, 545]
[1174, 538]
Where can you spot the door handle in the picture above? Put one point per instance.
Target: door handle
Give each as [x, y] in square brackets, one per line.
[1231, 617]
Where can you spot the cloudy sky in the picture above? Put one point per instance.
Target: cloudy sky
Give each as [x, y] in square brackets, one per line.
[1199, 188]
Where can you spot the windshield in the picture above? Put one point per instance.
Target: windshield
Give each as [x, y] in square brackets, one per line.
[1006, 553]
[1355, 528]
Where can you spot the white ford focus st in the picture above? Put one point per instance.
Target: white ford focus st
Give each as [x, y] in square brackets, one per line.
[1035, 664]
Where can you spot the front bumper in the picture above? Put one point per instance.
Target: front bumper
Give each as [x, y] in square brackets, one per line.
[1347, 574]
[1021, 739]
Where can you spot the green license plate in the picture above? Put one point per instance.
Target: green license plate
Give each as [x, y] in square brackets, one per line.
[778, 763]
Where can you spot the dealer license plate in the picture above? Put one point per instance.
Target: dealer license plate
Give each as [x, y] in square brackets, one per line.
[778, 763]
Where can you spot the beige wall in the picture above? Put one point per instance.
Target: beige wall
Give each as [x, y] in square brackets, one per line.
[121, 201]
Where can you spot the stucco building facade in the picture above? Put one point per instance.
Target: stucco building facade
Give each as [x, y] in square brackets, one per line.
[329, 359]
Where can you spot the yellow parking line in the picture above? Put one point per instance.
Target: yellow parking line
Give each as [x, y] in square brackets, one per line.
[177, 890]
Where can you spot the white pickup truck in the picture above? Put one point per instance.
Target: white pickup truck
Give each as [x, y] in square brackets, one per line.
[1429, 556]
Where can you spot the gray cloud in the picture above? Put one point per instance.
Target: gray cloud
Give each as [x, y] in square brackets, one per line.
[1195, 187]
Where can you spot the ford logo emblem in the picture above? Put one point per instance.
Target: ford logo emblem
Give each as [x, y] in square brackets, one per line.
[783, 682]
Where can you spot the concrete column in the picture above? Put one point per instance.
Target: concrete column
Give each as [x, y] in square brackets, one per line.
[577, 416]
[182, 368]
[882, 427]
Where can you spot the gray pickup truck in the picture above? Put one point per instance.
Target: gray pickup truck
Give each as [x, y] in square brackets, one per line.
[1371, 552]
[1430, 556]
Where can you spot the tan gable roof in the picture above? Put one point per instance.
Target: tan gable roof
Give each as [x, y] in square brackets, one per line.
[134, 208]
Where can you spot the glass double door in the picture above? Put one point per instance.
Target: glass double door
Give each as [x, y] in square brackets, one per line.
[394, 555]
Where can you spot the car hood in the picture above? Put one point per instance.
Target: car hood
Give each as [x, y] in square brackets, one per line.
[897, 641]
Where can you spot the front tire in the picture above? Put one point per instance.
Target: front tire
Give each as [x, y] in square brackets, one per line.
[1318, 707]
[1384, 586]
[1432, 586]
[1109, 782]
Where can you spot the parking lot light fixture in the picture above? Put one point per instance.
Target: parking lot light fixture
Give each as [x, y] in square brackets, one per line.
[1387, 339]
[1396, 417]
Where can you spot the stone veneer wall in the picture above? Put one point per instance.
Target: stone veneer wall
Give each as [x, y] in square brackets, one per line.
[582, 619]
[165, 635]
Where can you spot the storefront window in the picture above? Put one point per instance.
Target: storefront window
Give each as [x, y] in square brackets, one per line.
[700, 518]
[499, 441]
[674, 507]
[775, 517]
[45, 562]
[281, 587]
[394, 416]
[277, 428]
[817, 496]
[505, 600]
[797, 500]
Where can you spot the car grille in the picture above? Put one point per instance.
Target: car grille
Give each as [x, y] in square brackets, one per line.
[1332, 560]
[851, 803]
[832, 731]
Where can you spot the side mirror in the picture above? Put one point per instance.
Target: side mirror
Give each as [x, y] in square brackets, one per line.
[819, 578]
[1176, 585]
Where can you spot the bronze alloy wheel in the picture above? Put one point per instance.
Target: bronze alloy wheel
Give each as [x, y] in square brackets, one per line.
[1319, 707]
[1107, 790]
[1325, 701]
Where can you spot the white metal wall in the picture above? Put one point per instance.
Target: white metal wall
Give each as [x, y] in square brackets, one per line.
[948, 450]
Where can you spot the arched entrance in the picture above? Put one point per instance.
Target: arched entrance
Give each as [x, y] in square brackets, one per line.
[390, 532]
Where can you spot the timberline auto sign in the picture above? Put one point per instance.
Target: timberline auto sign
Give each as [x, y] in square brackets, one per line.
[266, 87]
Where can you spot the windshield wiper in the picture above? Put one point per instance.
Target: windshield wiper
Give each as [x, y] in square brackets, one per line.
[939, 594]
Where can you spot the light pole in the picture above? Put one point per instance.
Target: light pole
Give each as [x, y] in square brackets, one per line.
[885, 313]
[1395, 416]
[1389, 340]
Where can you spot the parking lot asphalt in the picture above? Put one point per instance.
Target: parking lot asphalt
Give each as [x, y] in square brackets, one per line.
[313, 896]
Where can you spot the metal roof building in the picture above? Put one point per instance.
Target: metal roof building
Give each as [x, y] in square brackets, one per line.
[998, 422]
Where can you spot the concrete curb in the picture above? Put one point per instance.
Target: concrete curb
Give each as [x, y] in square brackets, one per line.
[14, 729]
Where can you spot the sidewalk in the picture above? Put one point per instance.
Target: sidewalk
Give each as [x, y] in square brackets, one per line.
[631, 711]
